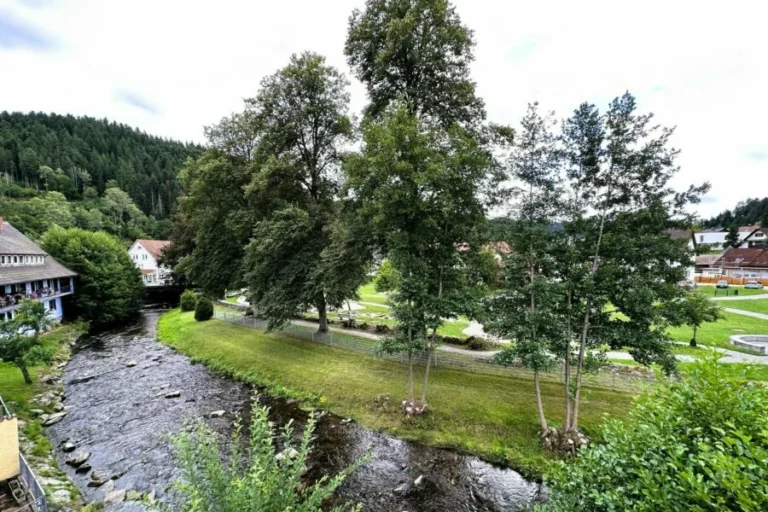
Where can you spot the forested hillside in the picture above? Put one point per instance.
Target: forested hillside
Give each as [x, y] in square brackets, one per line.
[68, 154]
[747, 213]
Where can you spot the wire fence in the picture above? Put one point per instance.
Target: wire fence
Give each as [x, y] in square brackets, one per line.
[366, 345]
[36, 493]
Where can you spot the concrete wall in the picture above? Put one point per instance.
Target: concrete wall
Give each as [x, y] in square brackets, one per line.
[9, 448]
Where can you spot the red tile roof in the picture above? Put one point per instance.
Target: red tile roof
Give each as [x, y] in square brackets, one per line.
[745, 258]
[154, 247]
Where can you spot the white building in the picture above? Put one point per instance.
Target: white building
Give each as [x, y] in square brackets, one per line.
[28, 272]
[715, 238]
[145, 254]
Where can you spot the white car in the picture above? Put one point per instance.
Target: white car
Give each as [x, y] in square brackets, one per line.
[754, 285]
[722, 284]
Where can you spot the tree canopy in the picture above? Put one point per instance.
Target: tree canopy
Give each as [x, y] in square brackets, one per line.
[109, 286]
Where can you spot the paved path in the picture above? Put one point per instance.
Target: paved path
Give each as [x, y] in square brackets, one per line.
[742, 297]
[761, 316]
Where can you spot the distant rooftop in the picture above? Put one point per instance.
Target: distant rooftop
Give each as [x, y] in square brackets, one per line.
[154, 247]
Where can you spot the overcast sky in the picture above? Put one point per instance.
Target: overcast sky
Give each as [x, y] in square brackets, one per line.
[172, 67]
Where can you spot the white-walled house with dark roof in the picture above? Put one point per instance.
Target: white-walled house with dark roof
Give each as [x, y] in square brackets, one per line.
[28, 272]
[146, 254]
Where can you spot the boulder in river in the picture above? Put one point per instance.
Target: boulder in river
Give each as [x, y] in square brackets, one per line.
[68, 447]
[54, 418]
[173, 394]
[114, 497]
[216, 414]
[130, 364]
[78, 459]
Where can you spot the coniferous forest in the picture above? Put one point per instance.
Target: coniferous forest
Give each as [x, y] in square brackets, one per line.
[86, 172]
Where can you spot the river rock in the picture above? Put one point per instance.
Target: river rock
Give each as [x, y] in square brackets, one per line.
[216, 414]
[132, 495]
[58, 407]
[419, 481]
[68, 447]
[54, 418]
[130, 364]
[60, 496]
[114, 497]
[78, 459]
[98, 476]
[37, 412]
[173, 394]
[83, 469]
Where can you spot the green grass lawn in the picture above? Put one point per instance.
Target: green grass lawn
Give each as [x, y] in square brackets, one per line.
[488, 415]
[368, 293]
[712, 291]
[233, 299]
[717, 334]
[756, 306]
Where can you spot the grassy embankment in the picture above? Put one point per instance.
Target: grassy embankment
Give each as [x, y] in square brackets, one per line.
[488, 415]
[717, 334]
[18, 394]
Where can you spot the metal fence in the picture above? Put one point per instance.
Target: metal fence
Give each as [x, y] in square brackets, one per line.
[35, 492]
[362, 344]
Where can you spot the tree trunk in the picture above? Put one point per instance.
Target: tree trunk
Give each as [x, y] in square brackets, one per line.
[579, 371]
[539, 404]
[567, 365]
[430, 349]
[410, 366]
[24, 371]
[322, 315]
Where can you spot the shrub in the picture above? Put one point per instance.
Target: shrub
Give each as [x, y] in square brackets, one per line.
[188, 300]
[203, 309]
[475, 343]
[700, 443]
[258, 479]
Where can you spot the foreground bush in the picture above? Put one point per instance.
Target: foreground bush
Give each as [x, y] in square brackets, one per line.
[697, 444]
[259, 481]
[188, 300]
[203, 309]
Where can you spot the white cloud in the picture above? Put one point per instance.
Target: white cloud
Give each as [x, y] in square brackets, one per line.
[698, 66]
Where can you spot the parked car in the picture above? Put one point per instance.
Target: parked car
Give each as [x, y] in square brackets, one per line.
[754, 285]
[722, 283]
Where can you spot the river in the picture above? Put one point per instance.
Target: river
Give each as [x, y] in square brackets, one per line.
[116, 385]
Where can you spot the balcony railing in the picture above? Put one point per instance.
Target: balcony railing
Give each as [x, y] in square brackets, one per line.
[14, 298]
[35, 492]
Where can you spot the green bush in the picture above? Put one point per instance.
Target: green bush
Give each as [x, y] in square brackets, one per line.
[699, 443]
[188, 300]
[257, 478]
[203, 309]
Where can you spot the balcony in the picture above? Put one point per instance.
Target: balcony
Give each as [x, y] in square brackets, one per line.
[19, 488]
[10, 301]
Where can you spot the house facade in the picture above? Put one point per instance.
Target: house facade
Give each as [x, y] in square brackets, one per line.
[145, 255]
[744, 263]
[756, 239]
[28, 272]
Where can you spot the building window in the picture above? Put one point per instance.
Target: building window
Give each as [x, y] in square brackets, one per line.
[52, 305]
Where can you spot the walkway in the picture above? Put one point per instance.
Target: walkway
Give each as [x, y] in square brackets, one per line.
[761, 316]
[742, 297]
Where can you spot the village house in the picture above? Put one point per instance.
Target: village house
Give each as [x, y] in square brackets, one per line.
[744, 263]
[28, 272]
[756, 238]
[146, 255]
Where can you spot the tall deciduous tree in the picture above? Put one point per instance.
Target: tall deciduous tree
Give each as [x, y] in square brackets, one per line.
[417, 51]
[303, 113]
[529, 312]
[419, 188]
[421, 180]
